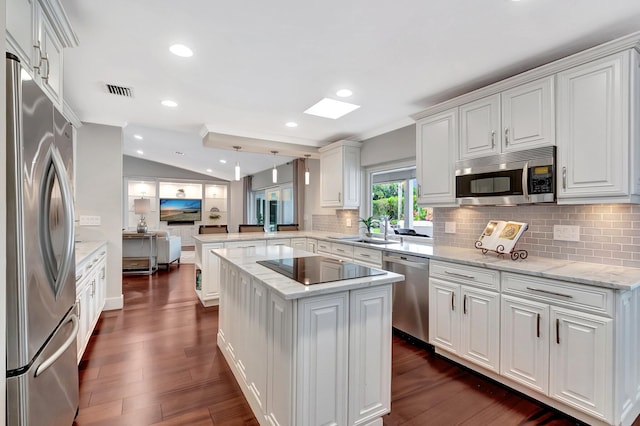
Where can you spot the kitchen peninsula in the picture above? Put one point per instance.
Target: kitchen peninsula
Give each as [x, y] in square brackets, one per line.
[306, 354]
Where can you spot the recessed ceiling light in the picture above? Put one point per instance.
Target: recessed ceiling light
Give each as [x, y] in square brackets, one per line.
[169, 103]
[209, 170]
[138, 137]
[140, 151]
[344, 93]
[223, 161]
[179, 153]
[330, 108]
[291, 124]
[181, 50]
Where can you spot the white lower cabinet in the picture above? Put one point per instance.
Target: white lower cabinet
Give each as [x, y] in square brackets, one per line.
[318, 360]
[573, 346]
[91, 290]
[299, 243]
[312, 245]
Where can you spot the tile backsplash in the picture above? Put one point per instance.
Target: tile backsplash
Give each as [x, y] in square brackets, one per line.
[337, 222]
[609, 234]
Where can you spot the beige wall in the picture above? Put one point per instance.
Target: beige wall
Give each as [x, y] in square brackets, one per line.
[609, 234]
[99, 193]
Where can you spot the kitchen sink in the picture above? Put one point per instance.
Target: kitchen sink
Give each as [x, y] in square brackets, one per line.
[375, 241]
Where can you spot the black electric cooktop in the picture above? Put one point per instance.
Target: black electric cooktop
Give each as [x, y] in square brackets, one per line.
[318, 269]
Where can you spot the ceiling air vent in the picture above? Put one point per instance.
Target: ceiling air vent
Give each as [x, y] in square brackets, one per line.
[120, 90]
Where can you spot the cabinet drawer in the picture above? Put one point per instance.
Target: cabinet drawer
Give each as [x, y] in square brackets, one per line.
[562, 293]
[324, 247]
[245, 244]
[367, 255]
[472, 275]
[279, 242]
[342, 250]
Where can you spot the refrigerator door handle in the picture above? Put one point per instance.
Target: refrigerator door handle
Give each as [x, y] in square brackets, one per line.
[57, 169]
[57, 354]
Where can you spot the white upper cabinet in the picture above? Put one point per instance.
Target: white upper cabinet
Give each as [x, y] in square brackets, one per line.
[436, 142]
[37, 32]
[515, 119]
[340, 175]
[597, 161]
[480, 127]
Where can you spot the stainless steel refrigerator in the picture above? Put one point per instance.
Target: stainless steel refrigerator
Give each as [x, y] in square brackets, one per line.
[42, 373]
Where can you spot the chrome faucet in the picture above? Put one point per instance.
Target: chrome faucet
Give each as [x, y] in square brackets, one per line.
[386, 225]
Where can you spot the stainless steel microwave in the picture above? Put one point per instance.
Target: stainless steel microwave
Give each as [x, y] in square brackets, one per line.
[520, 177]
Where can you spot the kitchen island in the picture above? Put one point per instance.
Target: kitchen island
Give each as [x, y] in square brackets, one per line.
[305, 354]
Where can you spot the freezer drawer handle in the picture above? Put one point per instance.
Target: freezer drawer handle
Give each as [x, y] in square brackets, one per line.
[57, 354]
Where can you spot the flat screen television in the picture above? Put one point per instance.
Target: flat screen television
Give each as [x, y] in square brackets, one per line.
[176, 210]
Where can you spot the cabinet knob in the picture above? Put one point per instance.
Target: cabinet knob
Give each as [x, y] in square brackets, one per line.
[506, 136]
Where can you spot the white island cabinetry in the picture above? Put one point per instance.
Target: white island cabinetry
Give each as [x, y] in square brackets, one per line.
[308, 358]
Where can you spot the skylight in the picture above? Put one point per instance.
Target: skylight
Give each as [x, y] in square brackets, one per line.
[330, 108]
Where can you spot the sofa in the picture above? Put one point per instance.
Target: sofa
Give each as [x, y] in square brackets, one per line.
[169, 248]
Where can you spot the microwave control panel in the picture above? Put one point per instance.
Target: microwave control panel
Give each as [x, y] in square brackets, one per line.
[541, 180]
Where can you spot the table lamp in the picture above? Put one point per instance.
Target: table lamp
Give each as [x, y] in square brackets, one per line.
[142, 206]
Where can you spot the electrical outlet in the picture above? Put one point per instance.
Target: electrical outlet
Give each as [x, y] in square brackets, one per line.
[566, 232]
[348, 222]
[89, 220]
[449, 227]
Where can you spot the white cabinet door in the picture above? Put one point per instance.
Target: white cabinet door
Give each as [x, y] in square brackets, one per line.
[231, 302]
[369, 354]
[480, 127]
[279, 242]
[280, 360]
[593, 129]
[528, 116]
[242, 337]
[322, 348]
[20, 32]
[223, 303]
[83, 298]
[257, 343]
[480, 327]
[581, 361]
[436, 143]
[444, 321]
[50, 71]
[525, 342]
[331, 178]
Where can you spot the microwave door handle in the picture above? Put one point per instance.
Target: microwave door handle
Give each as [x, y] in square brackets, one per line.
[525, 181]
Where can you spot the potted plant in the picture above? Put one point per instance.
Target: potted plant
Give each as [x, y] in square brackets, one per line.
[368, 223]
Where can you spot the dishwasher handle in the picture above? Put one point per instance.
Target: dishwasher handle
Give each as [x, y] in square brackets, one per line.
[401, 260]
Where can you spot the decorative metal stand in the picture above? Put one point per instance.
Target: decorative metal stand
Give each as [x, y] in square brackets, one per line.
[515, 254]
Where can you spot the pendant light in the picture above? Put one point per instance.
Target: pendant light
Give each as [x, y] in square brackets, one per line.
[237, 168]
[306, 172]
[274, 172]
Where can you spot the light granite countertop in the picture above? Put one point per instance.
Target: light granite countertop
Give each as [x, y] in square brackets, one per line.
[85, 249]
[593, 274]
[246, 258]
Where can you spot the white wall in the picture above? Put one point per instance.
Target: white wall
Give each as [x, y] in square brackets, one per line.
[3, 213]
[389, 147]
[99, 193]
[138, 167]
[264, 179]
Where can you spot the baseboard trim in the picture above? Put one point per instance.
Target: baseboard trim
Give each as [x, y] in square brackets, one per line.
[114, 303]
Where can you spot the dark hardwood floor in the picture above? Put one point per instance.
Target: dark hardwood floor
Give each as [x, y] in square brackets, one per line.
[156, 362]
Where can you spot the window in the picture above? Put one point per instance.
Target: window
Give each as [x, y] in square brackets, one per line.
[271, 206]
[394, 194]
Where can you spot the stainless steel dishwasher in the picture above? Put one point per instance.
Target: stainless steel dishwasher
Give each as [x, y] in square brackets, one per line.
[411, 296]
